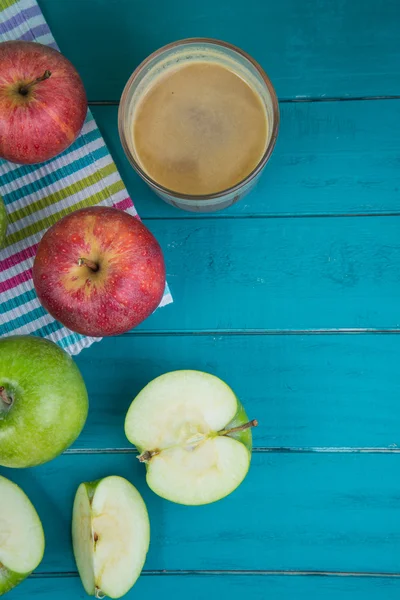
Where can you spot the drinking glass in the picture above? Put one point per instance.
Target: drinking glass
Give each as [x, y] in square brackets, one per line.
[184, 52]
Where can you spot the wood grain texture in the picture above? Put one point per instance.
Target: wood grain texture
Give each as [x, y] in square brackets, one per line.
[280, 274]
[305, 391]
[267, 267]
[319, 512]
[216, 587]
[313, 48]
[331, 158]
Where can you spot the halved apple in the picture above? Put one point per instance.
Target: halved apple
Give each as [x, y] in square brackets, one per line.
[193, 435]
[110, 536]
[21, 536]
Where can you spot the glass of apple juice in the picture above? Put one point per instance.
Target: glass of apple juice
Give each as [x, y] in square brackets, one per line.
[198, 121]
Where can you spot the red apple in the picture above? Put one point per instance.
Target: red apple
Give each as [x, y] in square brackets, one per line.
[42, 102]
[99, 271]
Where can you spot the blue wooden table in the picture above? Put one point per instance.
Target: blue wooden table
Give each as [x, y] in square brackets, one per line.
[292, 296]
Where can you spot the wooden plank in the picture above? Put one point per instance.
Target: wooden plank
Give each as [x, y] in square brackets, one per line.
[234, 587]
[320, 512]
[331, 158]
[306, 391]
[346, 48]
[286, 274]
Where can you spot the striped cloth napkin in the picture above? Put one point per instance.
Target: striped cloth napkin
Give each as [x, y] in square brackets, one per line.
[37, 196]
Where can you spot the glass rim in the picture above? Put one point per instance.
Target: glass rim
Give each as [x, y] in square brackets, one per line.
[263, 160]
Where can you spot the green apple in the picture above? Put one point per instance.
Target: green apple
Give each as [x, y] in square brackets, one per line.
[110, 536]
[21, 536]
[3, 223]
[43, 401]
[193, 435]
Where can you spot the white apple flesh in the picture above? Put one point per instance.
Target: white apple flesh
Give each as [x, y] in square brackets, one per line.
[110, 535]
[194, 436]
[21, 536]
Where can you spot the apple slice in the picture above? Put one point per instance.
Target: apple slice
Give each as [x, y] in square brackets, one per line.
[193, 435]
[110, 536]
[21, 536]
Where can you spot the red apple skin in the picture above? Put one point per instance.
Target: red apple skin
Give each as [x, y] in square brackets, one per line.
[126, 288]
[46, 120]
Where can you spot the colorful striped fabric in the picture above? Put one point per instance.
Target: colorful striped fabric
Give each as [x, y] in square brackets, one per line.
[37, 196]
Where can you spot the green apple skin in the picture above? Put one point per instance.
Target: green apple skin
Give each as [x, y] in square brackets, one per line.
[244, 436]
[49, 401]
[3, 223]
[90, 487]
[9, 579]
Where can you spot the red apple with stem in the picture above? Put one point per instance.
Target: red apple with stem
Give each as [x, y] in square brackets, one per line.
[42, 102]
[99, 271]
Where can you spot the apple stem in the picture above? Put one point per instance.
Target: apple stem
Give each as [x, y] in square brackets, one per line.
[146, 456]
[252, 423]
[24, 89]
[4, 397]
[85, 262]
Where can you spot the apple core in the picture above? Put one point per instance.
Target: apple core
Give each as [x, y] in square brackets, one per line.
[193, 435]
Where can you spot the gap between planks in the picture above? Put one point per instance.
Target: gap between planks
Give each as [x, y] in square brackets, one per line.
[287, 100]
[253, 332]
[249, 573]
[221, 215]
[262, 450]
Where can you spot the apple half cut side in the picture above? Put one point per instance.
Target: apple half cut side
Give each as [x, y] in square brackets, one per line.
[21, 536]
[110, 536]
[193, 435]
